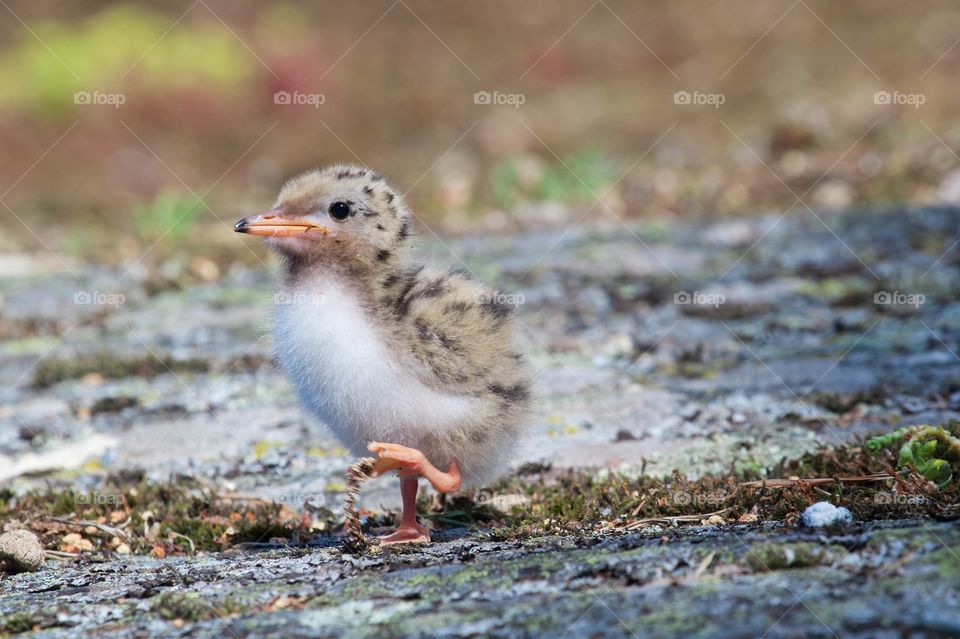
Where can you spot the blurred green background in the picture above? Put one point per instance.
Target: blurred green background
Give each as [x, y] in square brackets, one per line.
[132, 127]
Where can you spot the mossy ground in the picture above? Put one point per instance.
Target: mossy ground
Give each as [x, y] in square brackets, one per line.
[54, 370]
[185, 517]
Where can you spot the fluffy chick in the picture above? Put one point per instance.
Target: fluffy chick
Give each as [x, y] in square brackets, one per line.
[418, 365]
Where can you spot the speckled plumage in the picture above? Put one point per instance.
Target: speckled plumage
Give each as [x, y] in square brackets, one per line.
[381, 347]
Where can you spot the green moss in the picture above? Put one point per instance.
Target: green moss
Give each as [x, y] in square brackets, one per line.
[28, 346]
[192, 606]
[186, 508]
[946, 563]
[54, 370]
[20, 622]
[842, 403]
[775, 556]
[30, 620]
[423, 580]
[848, 291]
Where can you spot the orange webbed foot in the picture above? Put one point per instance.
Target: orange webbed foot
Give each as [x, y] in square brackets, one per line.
[415, 534]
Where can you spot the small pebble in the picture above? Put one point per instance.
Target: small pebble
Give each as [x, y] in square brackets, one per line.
[21, 551]
[824, 513]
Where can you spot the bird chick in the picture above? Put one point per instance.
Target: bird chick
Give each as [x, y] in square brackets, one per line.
[416, 365]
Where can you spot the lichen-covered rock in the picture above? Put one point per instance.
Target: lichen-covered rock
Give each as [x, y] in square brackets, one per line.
[20, 551]
[696, 582]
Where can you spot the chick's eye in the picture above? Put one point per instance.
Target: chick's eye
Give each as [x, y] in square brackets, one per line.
[339, 211]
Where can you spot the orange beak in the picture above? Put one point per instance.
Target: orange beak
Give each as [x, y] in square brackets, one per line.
[274, 224]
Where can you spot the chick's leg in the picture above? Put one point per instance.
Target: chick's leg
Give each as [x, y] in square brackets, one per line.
[409, 531]
[410, 461]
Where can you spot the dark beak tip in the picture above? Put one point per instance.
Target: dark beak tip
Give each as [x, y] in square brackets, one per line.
[241, 226]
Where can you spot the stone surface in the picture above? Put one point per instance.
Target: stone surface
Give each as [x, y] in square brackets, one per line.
[698, 582]
[657, 345]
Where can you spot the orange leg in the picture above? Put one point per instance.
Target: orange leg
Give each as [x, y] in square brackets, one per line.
[411, 463]
[409, 531]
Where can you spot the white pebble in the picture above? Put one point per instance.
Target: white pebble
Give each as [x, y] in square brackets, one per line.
[823, 513]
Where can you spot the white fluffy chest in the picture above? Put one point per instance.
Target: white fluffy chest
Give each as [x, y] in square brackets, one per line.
[345, 374]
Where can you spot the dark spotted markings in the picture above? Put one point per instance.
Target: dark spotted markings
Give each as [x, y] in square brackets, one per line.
[462, 272]
[423, 331]
[495, 307]
[368, 191]
[426, 334]
[383, 255]
[347, 173]
[436, 288]
[402, 305]
[404, 231]
[515, 393]
[391, 280]
[457, 307]
[449, 343]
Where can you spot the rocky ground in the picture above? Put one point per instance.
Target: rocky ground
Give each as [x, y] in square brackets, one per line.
[658, 346]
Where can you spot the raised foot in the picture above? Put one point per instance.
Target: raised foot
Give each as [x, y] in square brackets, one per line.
[412, 462]
[406, 535]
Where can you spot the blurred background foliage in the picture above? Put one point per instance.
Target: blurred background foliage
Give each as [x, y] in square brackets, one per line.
[199, 140]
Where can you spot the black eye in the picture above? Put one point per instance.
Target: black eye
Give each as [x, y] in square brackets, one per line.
[339, 211]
